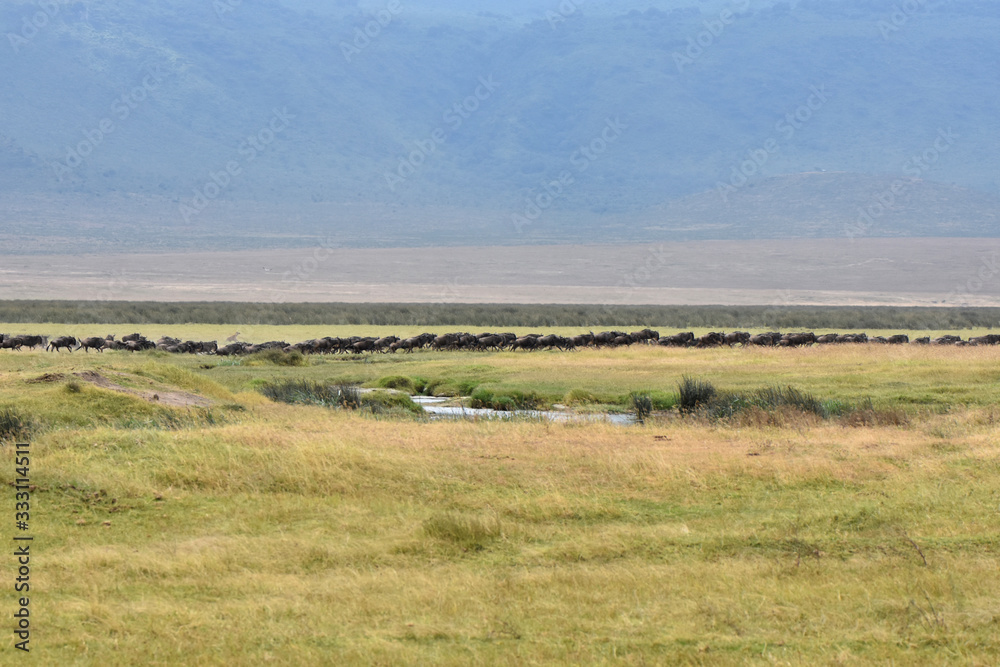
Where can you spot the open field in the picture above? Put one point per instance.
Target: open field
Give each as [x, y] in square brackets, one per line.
[861, 271]
[242, 531]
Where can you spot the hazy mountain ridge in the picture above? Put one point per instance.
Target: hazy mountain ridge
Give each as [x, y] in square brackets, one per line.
[197, 82]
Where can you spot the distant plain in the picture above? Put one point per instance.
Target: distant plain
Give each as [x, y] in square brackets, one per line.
[828, 272]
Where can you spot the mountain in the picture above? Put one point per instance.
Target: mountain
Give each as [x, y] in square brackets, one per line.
[235, 122]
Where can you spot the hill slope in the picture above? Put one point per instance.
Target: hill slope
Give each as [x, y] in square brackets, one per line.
[132, 100]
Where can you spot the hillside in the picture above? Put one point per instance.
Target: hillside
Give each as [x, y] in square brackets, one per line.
[151, 103]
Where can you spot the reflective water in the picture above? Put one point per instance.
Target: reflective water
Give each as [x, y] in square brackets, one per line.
[431, 406]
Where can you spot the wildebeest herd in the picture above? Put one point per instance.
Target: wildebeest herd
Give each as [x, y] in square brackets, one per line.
[483, 341]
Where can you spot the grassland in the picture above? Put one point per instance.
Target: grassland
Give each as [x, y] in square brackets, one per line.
[244, 531]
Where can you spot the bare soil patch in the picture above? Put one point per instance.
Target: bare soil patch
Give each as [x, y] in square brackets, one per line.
[172, 398]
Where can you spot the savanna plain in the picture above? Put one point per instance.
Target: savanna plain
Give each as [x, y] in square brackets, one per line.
[265, 520]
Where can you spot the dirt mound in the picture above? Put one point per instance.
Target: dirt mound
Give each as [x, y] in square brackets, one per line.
[176, 399]
[48, 377]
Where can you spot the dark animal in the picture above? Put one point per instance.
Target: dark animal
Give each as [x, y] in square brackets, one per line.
[678, 339]
[62, 341]
[11, 343]
[738, 337]
[94, 342]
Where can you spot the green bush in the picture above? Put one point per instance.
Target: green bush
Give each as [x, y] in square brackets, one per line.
[694, 394]
[277, 358]
[449, 387]
[345, 396]
[305, 392]
[642, 405]
[579, 396]
[506, 401]
[15, 426]
[381, 402]
[398, 382]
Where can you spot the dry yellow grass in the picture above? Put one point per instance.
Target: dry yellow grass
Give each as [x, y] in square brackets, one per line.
[294, 535]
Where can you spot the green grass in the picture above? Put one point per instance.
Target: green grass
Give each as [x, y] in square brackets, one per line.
[292, 533]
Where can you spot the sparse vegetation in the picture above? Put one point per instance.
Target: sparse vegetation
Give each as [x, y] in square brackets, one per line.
[642, 405]
[15, 426]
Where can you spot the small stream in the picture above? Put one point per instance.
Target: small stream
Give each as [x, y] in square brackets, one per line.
[431, 406]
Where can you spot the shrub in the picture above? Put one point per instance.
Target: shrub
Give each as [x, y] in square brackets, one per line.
[303, 392]
[15, 426]
[770, 400]
[579, 396]
[694, 394]
[277, 358]
[449, 387]
[505, 401]
[399, 382]
[344, 396]
[380, 402]
[642, 405]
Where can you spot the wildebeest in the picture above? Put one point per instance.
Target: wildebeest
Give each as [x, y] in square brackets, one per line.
[988, 339]
[646, 335]
[947, 339]
[711, 339]
[525, 343]
[768, 339]
[608, 337]
[94, 342]
[797, 339]
[34, 341]
[738, 337]
[232, 349]
[11, 342]
[682, 339]
[62, 341]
